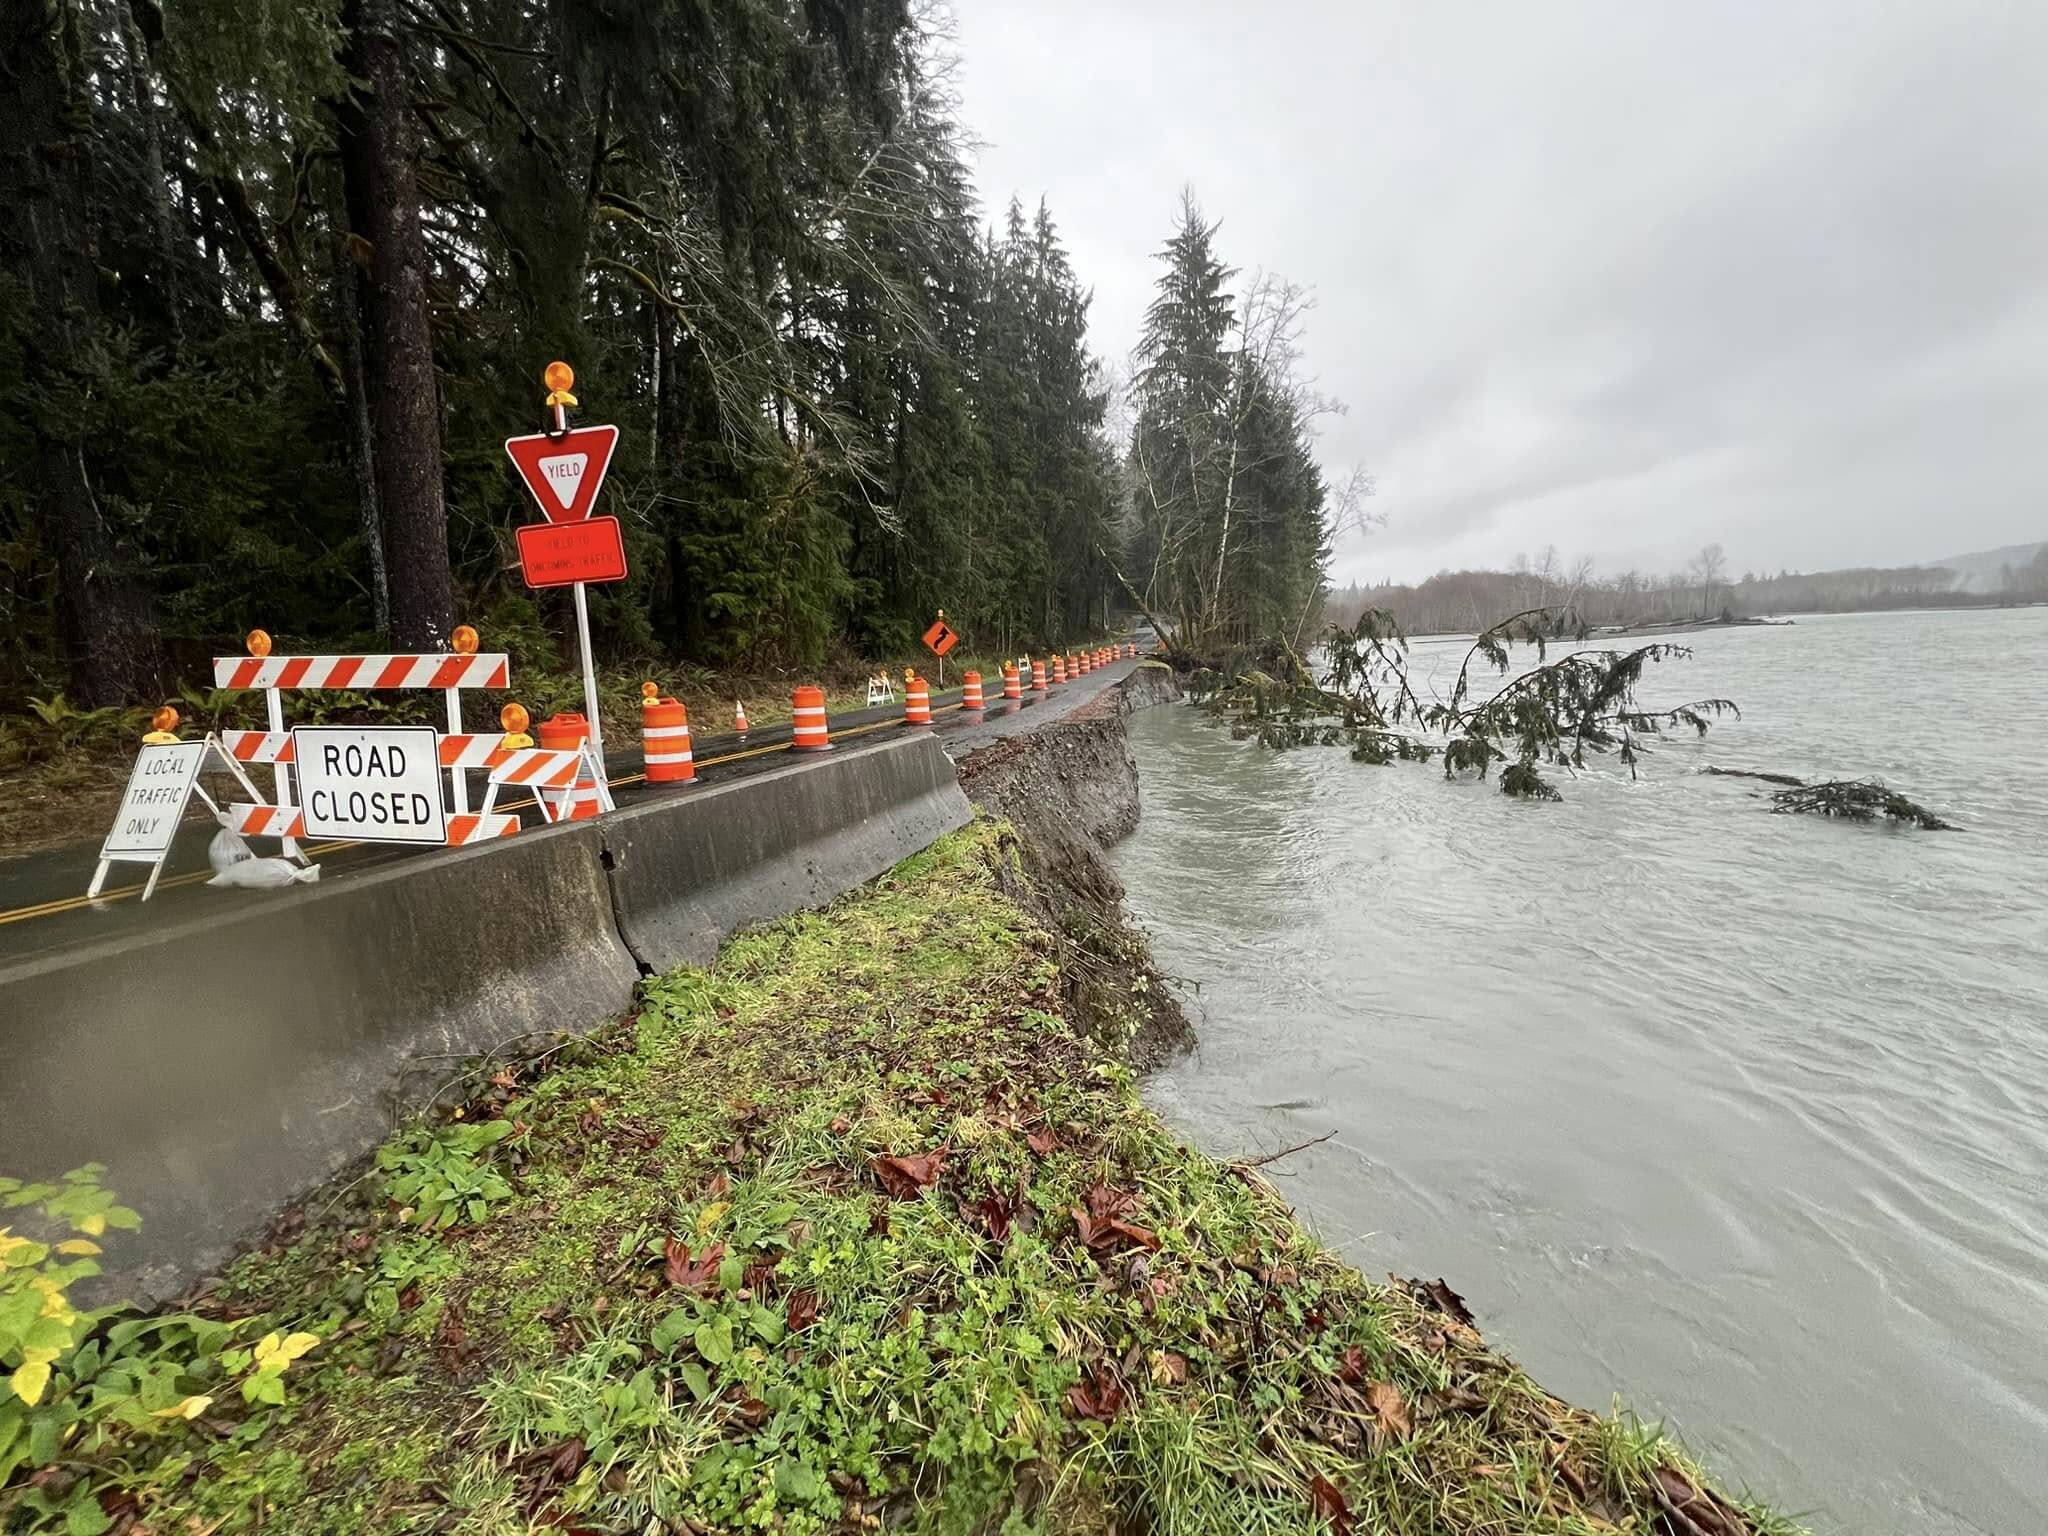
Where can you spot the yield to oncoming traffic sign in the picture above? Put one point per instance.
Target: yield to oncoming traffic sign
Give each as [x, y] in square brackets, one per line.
[378, 784]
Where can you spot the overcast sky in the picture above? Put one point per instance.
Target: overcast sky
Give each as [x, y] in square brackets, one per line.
[1622, 276]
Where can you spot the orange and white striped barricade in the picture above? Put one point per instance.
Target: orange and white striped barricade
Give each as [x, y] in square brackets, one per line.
[554, 774]
[448, 671]
[587, 793]
[970, 694]
[807, 728]
[1013, 683]
[1059, 669]
[881, 689]
[665, 740]
[290, 821]
[917, 701]
[1038, 684]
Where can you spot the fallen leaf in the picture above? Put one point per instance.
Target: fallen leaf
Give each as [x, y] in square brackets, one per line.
[1446, 1301]
[903, 1177]
[1169, 1369]
[1329, 1505]
[1099, 1398]
[1390, 1409]
[719, 1187]
[591, 1118]
[1042, 1141]
[1351, 1366]
[752, 1412]
[841, 1125]
[566, 1459]
[802, 1310]
[995, 1212]
[685, 1273]
[1690, 1510]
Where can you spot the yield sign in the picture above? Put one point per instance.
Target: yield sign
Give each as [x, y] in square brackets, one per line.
[564, 472]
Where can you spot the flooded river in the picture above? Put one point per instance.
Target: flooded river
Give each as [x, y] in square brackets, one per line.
[1742, 1117]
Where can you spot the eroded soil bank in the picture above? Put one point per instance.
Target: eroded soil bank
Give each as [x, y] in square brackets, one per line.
[862, 1227]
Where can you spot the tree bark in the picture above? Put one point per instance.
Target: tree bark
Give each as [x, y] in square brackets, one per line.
[362, 453]
[114, 653]
[379, 148]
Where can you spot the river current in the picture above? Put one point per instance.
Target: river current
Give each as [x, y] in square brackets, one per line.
[1742, 1117]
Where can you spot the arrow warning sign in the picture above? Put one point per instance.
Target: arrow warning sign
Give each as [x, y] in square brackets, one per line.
[564, 472]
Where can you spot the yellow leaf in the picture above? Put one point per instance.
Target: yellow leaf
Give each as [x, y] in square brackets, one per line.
[296, 1344]
[267, 1346]
[29, 1380]
[712, 1215]
[94, 1225]
[191, 1408]
[78, 1245]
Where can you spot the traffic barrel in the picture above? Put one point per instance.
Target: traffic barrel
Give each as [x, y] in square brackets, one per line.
[1077, 665]
[665, 739]
[564, 732]
[917, 701]
[1038, 677]
[970, 697]
[807, 720]
[1059, 669]
[1013, 683]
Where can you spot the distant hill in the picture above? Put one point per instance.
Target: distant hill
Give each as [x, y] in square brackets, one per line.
[1985, 570]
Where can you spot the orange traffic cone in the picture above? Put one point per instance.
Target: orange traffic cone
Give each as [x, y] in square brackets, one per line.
[739, 717]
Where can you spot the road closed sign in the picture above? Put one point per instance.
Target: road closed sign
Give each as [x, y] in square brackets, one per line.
[154, 801]
[377, 784]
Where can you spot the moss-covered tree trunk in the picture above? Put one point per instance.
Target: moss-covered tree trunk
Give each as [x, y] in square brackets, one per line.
[46, 239]
[379, 147]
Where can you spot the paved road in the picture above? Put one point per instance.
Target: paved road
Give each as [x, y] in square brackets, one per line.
[43, 908]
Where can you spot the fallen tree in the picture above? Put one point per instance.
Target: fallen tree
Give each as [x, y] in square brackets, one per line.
[1555, 713]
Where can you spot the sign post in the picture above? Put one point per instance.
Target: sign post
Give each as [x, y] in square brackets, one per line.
[564, 468]
[939, 639]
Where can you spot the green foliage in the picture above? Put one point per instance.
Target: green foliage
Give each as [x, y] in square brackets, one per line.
[752, 228]
[441, 1175]
[1857, 800]
[79, 1382]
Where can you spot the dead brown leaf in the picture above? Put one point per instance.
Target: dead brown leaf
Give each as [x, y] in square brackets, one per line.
[1446, 1301]
[1328, 1503]
[802, 1310]
[699, 1274]
[1099, 1397]
[1351, 1365]
[903, 1177]
[1042, 1141]
[1390, 1410]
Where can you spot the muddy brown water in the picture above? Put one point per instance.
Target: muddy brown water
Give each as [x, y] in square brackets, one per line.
[1741, 1117]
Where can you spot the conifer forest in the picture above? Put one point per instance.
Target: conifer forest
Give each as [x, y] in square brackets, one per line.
[278, 277]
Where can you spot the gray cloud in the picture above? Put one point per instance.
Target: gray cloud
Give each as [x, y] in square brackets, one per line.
[1618, 277]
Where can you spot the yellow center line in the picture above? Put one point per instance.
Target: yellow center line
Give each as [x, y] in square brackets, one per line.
[197, 876]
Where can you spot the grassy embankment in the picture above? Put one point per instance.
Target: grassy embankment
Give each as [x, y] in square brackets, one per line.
[853, 1231]
[62, 769]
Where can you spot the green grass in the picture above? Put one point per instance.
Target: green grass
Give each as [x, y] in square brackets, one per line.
[1197, 1371]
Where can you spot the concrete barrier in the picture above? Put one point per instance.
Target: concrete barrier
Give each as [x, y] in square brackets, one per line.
[222, 1065]
[689, 871]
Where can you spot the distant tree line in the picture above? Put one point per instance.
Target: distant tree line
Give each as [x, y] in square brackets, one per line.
[1466, 602]
[278, 276]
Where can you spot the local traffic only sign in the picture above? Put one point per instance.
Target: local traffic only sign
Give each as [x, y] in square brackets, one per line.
[159, 786]
[376, 784]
